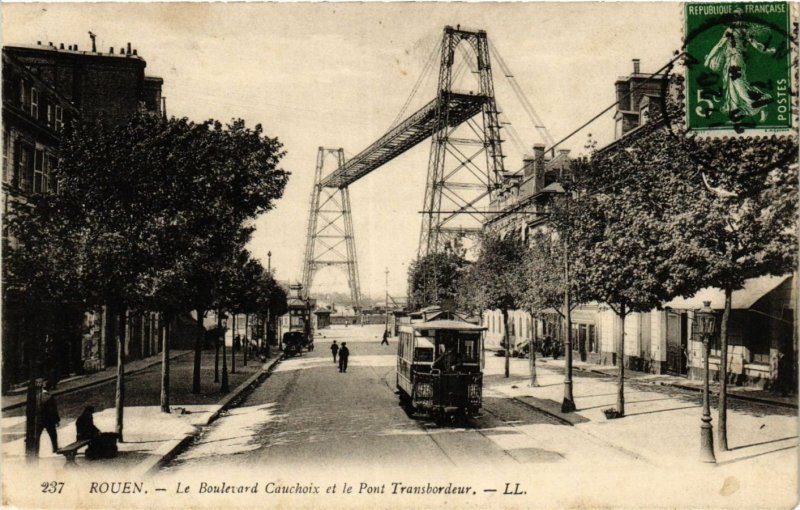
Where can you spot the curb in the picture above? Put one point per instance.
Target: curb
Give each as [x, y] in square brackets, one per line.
[542, 410]
[94, 383]
[170, 450]
[759, 400]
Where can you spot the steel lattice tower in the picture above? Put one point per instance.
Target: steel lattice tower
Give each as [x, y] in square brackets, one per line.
[330, 224]
[456, 183]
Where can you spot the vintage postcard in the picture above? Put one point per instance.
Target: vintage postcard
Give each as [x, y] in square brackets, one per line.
[400, 255]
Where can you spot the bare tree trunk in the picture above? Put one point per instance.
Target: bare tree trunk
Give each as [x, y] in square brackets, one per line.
[198, 352]
[532, 351]
[163, 331]
[621, 354]
[224, 388]
[722, 425]
[506, 341]
[120, 396]
[216, 347]
[233, 346]
[246, 341]
[34, 394]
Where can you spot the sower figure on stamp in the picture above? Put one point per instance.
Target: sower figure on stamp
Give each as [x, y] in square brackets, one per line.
[48, 418]
[344, 353]
[334, 350]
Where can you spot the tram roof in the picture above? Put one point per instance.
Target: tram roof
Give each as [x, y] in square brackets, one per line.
[448, 324]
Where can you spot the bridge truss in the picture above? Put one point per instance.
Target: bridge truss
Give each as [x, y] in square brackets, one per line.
[465, 164]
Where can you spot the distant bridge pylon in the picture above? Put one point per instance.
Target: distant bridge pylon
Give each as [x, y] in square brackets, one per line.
[465, 164]
[330, 240]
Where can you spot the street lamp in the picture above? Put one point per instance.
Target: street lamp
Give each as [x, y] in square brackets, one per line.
[706, 324]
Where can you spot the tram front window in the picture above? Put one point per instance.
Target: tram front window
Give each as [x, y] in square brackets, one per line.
[423, 354]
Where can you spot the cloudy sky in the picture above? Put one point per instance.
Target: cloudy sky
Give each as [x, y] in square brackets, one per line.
[336, 75]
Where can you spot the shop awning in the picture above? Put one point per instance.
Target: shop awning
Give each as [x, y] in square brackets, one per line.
[742, 299]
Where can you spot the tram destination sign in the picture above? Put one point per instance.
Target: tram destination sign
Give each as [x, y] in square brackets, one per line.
[738, 67]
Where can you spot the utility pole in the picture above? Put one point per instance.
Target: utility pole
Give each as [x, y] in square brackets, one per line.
[386, 328]
[267, 329]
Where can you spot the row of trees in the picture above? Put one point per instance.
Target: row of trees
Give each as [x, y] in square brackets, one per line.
[151, 215]
[659, 214]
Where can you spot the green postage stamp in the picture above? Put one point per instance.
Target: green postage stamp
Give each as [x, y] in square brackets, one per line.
[738, 76]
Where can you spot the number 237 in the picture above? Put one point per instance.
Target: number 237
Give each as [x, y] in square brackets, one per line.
[52, 487]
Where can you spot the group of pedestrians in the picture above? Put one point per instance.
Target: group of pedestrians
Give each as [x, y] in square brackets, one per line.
[344, 354]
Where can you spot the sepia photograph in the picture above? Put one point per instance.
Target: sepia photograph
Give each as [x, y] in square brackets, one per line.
[400, 255]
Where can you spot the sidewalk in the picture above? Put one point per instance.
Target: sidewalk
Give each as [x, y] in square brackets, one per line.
[18, 397]
[659, 428]
[742, 392]
[150, 436]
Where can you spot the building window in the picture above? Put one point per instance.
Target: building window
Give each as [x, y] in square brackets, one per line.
[52, 186]
[22, 95]
[618, 129]
[6, 142]
[59, 118]
[25, 167]
[49, 114]
[39, 184]
[34, 103]
[592, 341]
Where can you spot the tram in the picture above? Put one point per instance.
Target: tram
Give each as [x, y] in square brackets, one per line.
[440, 368]
[296, 328]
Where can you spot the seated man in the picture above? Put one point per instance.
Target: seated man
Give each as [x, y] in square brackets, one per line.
[103, 445]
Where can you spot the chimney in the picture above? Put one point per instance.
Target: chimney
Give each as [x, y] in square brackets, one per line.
[129, 49]
[39, 43]
[111, 50]
[636, 66]
[564, 152]
[50, 43]
[62, 46]
[134, 51]
[538, 167]
[75, 47]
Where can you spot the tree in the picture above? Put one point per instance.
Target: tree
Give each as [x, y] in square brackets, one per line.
[494, 279]
[143, 204]
[737, 217]
[434, 278]
[544, 283]
[625, 254]
[664, 213]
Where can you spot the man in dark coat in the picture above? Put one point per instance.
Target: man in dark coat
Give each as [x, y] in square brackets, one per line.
[85, 424]
[334, 350]
[385, 340]
[48, 418]
[344, 353]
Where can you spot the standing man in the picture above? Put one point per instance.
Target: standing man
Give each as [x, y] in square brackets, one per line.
[344, 353]
[48, 418]
[385, 340]
[334, 350]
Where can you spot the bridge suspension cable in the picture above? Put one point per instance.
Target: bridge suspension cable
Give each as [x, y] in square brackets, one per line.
[523, 99]
[426, 72]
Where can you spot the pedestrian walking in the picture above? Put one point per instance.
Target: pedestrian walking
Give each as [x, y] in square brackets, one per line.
[344, 354]
[49, 419]
[385, 340]
[334, 350]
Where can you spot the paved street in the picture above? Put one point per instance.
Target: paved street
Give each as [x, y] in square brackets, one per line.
[308, 412]
[309, 422]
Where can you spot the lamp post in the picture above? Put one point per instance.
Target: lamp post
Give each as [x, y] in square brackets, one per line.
[706, 322]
